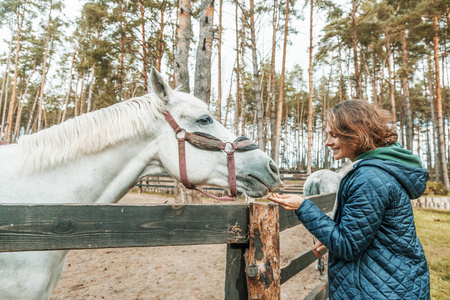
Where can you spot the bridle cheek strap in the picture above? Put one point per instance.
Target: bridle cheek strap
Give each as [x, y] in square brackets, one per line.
[207, 142]
[181, 149]
[182, 163]
[232, 173]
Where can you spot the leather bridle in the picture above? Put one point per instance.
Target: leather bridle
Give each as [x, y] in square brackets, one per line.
[208, 142]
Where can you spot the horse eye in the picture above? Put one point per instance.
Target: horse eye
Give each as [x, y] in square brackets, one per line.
[205, 120]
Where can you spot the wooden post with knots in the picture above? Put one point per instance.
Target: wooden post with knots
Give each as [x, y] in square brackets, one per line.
[262, 260]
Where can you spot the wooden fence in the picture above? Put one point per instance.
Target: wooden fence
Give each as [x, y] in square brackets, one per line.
[64, 227]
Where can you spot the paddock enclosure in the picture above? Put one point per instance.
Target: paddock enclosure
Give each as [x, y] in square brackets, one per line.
[203, 228]
[163, 183]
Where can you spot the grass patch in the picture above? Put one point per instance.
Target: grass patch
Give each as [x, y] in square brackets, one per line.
[433, 228]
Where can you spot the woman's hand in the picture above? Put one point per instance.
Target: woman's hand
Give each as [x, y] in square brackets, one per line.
[317, 248]
[288, 202]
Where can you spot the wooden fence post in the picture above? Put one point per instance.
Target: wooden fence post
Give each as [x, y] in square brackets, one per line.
[263, 255]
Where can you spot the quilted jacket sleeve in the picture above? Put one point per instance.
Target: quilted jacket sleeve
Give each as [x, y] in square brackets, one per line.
[365, 198]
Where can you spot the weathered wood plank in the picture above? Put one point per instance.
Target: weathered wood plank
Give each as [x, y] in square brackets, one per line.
[235, 277]
[288, 219]
[298, 264]
[53, 227]
[320, 292]
[324, 202]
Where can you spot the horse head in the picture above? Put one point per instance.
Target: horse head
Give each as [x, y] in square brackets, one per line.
[255, 172]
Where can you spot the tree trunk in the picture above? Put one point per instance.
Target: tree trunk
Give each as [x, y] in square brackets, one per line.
[358, 77]
[326, 163]
[282, 82]
[12, 102]
[440, 115]
[236, 116]
[44, 70]
[229, 99]
[242, 70]
[160, 38]
[4, 91]
[202, 87]
[310, 106]
[91, 87]
[183, 44]
[257, 88]
[19, 112]
[428, 141]
[32, 113]
[407, 107]
[375, 92]
[300, 143]
[381, 83]
[123, 12]
[144, 47]
[82, 94]
[219, 67]
[433, 117]
[341, 80]
[296, 127]
[272, 84]
[391, 84]
[286, 140]
[76, 101]
[16, 131]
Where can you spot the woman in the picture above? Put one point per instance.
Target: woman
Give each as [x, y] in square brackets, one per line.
[374, 252]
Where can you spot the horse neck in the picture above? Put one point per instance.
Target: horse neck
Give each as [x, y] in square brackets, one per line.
[102, 177]
[117, 170]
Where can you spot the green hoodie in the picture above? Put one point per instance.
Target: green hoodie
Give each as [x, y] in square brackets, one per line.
[393, 152]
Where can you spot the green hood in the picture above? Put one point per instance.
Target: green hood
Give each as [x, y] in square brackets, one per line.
[393, 152]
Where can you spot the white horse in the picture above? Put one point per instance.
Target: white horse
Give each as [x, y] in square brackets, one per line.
[321, 182]
[325, 181]
[98, 157]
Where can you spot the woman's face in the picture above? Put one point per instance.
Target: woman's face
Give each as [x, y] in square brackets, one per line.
[340, 150]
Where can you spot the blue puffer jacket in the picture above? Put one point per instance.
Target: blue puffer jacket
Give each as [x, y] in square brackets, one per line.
[374, 252]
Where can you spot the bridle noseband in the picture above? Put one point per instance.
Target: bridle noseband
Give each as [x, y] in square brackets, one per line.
[208, 142]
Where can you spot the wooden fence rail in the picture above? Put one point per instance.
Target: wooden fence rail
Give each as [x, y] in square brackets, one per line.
[72, 226]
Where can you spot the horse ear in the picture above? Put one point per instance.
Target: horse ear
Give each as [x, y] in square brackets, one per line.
[160, 87]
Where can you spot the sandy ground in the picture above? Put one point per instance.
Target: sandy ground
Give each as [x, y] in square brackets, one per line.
[181, 272]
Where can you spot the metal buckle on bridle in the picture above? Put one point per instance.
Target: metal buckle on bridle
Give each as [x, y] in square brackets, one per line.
[227, 147]
[181, 135]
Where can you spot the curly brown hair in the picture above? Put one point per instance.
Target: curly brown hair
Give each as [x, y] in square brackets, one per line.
[361, 125]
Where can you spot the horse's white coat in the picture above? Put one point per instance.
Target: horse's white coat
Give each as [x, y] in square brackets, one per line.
[325, 181]
[98, 157]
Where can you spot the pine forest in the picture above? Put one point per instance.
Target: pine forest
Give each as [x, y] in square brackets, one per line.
[267, 69]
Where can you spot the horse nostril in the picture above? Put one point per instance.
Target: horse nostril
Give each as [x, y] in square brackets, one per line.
[273, 167]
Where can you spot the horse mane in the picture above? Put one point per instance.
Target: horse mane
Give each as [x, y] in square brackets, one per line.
[89, 133]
